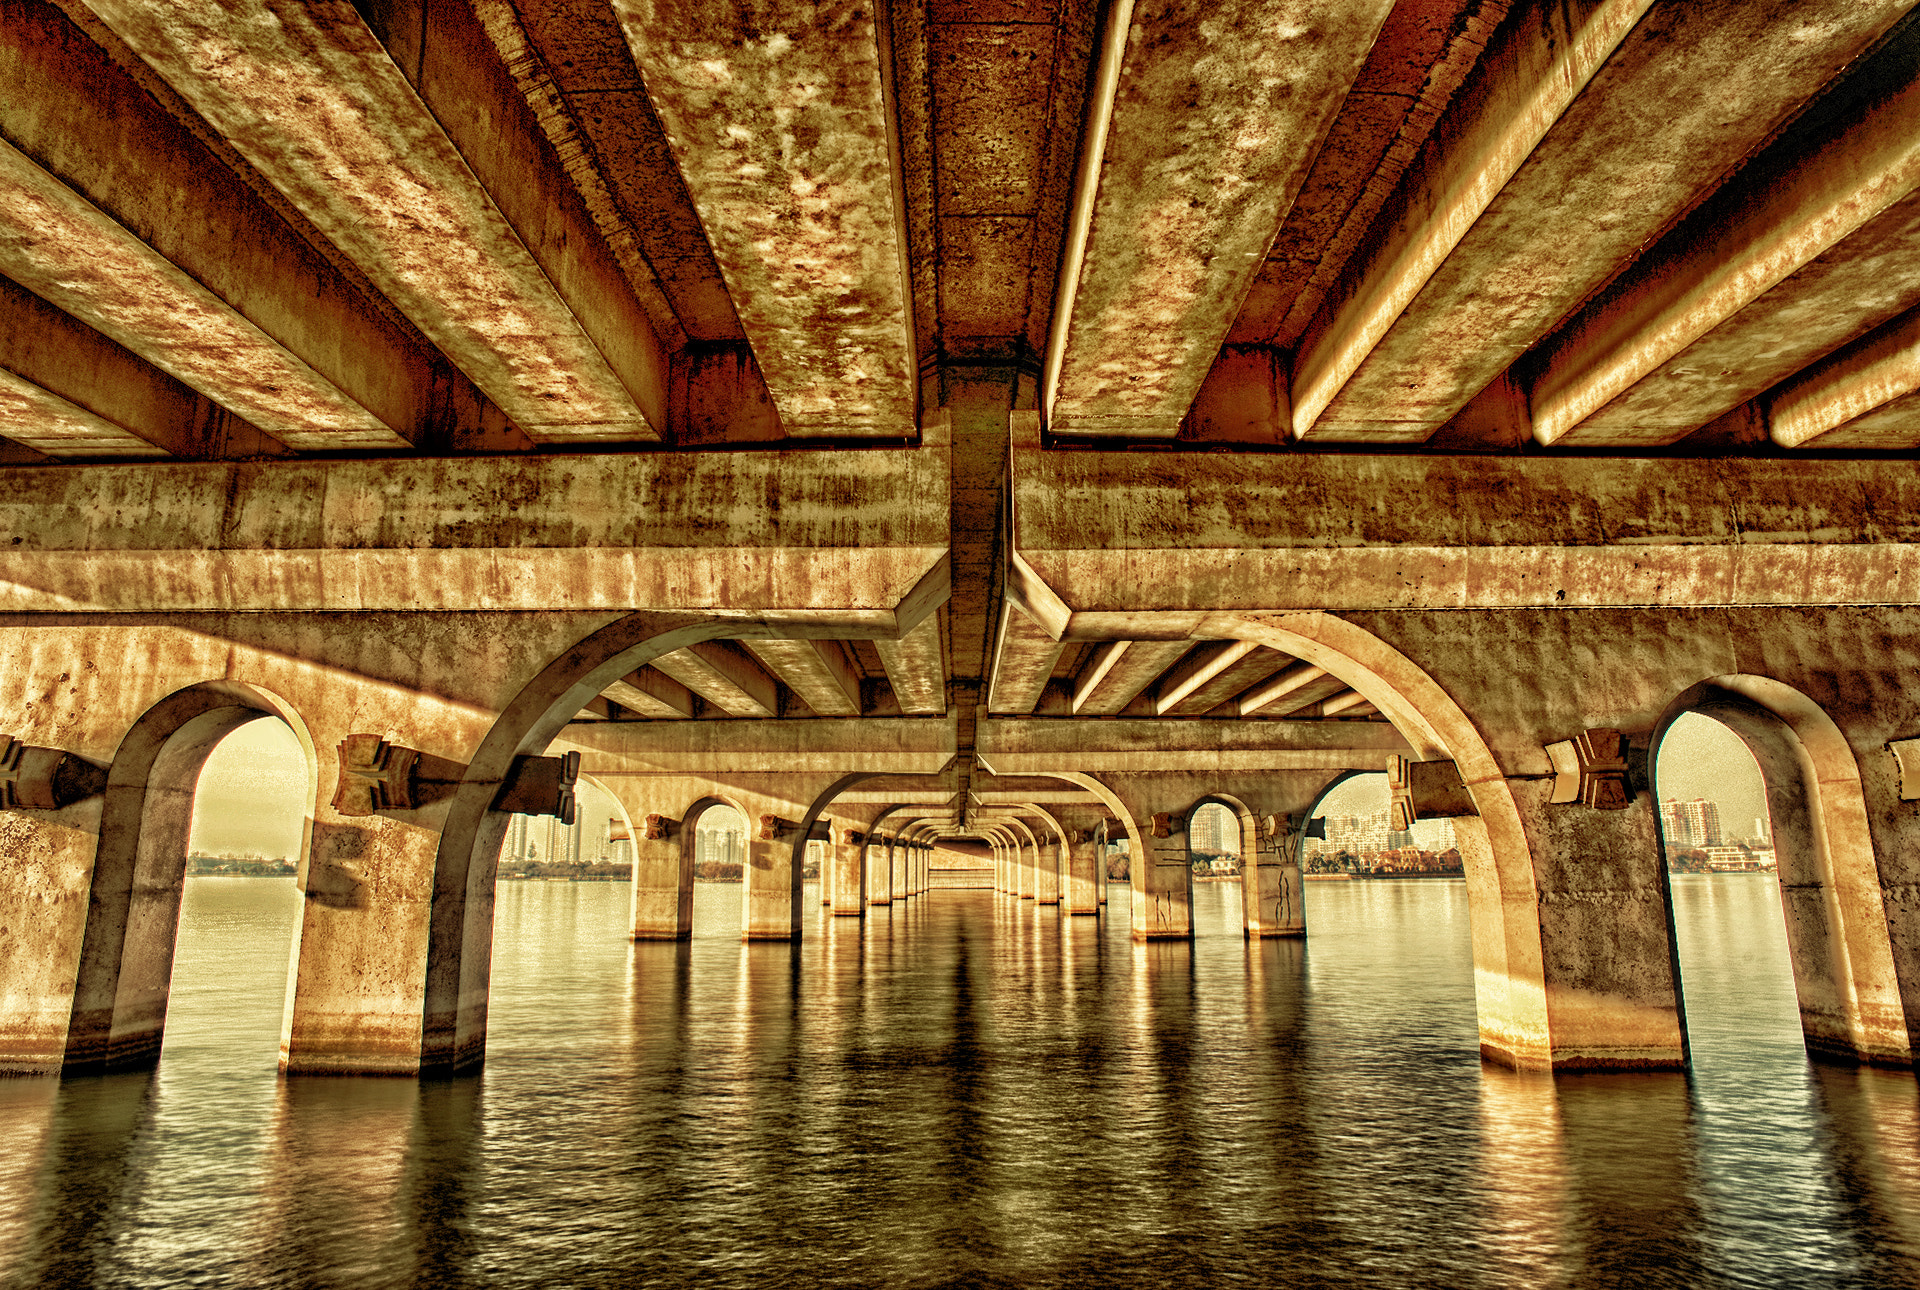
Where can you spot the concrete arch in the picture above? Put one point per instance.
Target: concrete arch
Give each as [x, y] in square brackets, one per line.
[1837, 929]
[1503, 897]
[139, 870]
[1250, 846]
[460, 925]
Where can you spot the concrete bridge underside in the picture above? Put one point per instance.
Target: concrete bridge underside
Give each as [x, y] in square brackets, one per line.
[930, 425]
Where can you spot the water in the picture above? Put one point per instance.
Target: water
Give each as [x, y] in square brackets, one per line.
[966, 1091]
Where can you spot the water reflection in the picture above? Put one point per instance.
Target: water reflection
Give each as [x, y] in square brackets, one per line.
[972, 1090]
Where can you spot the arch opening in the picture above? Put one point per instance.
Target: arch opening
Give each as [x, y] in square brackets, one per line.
[217, 781]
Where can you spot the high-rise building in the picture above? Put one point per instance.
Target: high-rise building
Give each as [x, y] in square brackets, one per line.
[1693, 823]
[1214, 831]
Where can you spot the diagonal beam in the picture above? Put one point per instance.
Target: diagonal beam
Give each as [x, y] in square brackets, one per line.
[1203, 665]
[724, 675]
[1294, 688]
[1708, 289]
[1858, 397]
[1203, 122]
[778, 113]
[652, 693]
[1251, 668]
[1129, 673]
[1022, 663]
[820, 672]
[455, 207]
[916, 669]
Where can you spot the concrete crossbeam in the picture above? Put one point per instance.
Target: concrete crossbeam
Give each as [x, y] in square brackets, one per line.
[1127, 675]
[1199, 136]
[1253, 668]
[448, 198]
[1833, 402]
[781, 125]
[820, 672]
[1205, 664]
[719, 749]
[1601, 379]
[827, 555]
[1111, 534]
[1035, 745]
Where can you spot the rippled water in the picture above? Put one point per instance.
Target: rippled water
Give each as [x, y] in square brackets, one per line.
[967, 1091]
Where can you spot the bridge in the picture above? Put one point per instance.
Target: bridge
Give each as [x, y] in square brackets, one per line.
[1015, 423]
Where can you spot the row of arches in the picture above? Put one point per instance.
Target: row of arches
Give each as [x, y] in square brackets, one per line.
[1520, 857]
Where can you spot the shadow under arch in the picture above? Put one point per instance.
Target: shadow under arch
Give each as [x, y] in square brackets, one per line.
[460, 925]
[139, 870]
[1837, 932]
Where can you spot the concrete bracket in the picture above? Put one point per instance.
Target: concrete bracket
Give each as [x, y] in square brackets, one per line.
[775, 829]
[1425, 790]
[661, 828]
[1906, 761]
[1592, 769]
[375, 776]
[45, 779]
[540, 786]
[1164, 825]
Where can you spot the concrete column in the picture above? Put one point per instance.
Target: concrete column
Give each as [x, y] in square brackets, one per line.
[1158, 858]
[1046, 885]
[1084, 874]
[1270, 879]
[662, 880]
[1025, 866]
[1607, 957]
[879, 870]
[848, 852]
[898, 863]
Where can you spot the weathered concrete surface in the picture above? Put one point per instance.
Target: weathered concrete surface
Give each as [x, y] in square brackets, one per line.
[536, 313]
[1204, 123]
[778, 115]
[640, 531]
[1619, 372]
[1582, 137]
[1214, 532]
[1856, 397]
[1010, 746]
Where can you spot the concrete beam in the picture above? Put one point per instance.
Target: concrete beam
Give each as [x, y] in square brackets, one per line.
[1250, 668]
[916, 668]
[1037, 745]
[652, 693]
[1199, 134]
[782, 126]
[1023, 661]
[1304, 693]
[1456, 295]
[1848, 399]
[1125, 674]
[438, 183]
[73, 392]
[1630, 368]
[718, 749]
[821, 672]
[724, 675]
[1153, 543]
[827, 552]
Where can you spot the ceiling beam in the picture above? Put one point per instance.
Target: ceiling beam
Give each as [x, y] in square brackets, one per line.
[1023, 661]
[782, 127]
[1198, 136]
[916, 669]
[1127, 674]
[724, 675]
[652, 693]
[820, 672]
[437, 182]
[1632, 368]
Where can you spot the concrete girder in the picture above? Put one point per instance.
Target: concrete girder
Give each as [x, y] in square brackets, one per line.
[122, 217]
[1203, 121]
[1860, 396]
[429, 170]
[1632, 149]
[1535, 66]
[76, 393]
[822, 673]
[916, 668]
[1751, 276]
[1271, 691]
[1037, 746]
[1107, 534]
[1116, 677]
[1308, 698]
[652, 693]
[1250, 669]
[718, 749]
[1023, 662]
[614, 531]
[724, 675]
[780, 118]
